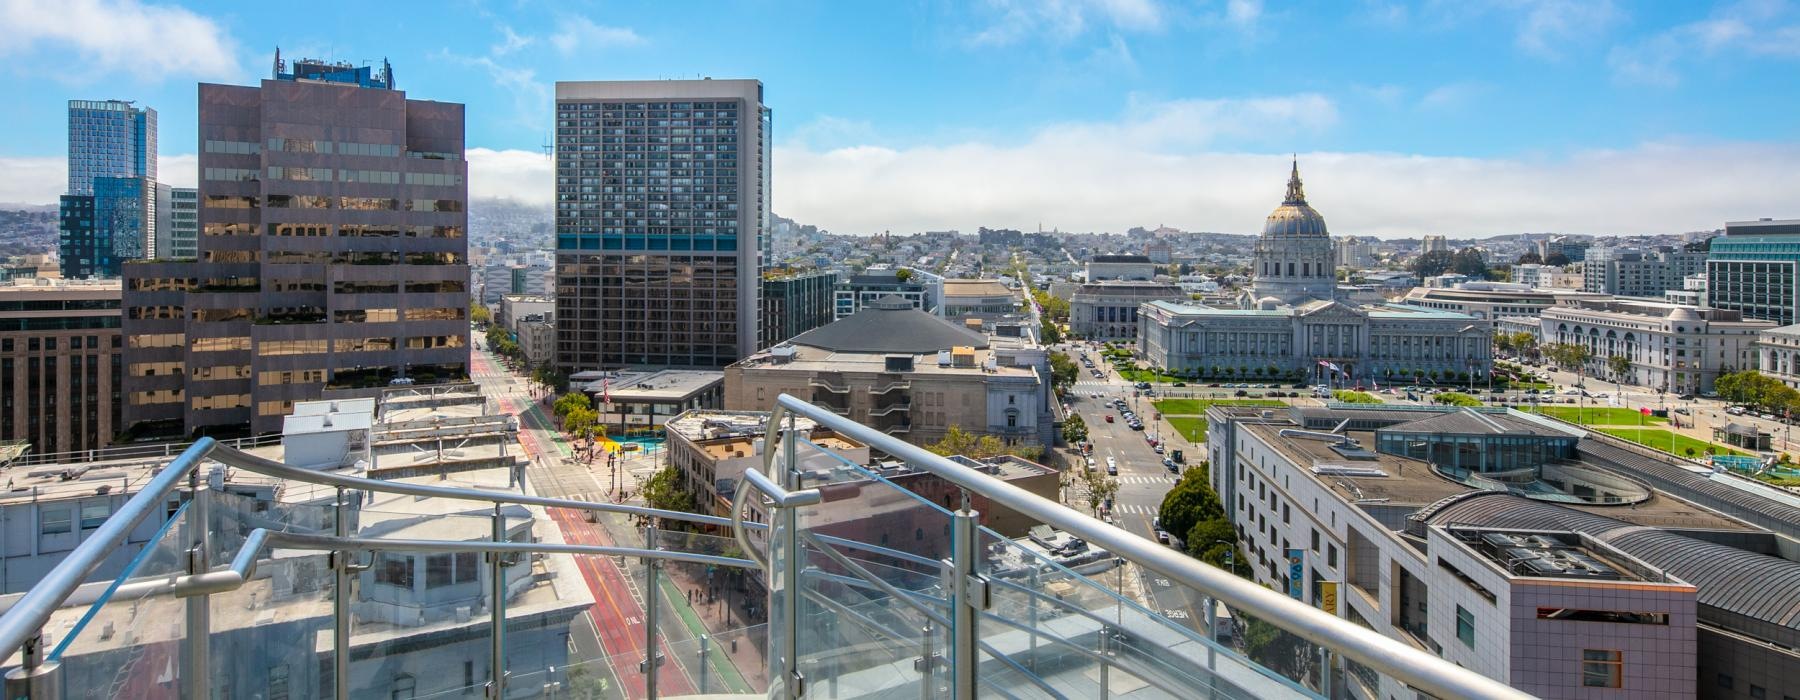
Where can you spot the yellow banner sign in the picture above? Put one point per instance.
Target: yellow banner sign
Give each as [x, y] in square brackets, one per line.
[1328, 596]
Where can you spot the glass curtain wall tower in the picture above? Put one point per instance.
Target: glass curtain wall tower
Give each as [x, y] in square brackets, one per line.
[662, 200]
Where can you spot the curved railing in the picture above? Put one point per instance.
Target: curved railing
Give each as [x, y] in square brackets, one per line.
[969, 588]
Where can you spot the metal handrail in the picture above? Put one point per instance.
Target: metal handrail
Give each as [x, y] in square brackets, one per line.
[26, 618]
[267, 467]
[1407, 664]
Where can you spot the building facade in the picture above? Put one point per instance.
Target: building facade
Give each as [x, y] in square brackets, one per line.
[109, 138]
[1778, 354]
[1629, 272]
[60, 366]
[1109, 310]
[1752, 269]
[180, 239]
[662, 210]
[1676, 348]
[1433, 244]
[517, 308]
[794, 303]
[976, 297]
[1120, 267]
[925, 290]
[332, 256]
[908, 373]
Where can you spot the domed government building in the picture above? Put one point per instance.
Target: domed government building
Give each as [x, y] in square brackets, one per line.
[1291, 324]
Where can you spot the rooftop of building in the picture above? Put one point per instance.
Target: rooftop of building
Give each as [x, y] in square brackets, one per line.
[1759, 227]
[1730, 579]
[312, 70]
[1551, 554]
[975, 288]
[1644, 309]
[528, 298]
[1389, 480]
[941, 363]
[1134, 259]
[1374, 311]
[1484, 291]
[651, 386]
[889, 325]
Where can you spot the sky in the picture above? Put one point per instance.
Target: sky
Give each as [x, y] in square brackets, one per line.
[1460, 117]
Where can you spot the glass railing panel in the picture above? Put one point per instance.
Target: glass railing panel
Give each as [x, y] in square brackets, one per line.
[421, 620]
[128, 641]
[591, 679]
[703, 600]
[868, 541]
[269, 635]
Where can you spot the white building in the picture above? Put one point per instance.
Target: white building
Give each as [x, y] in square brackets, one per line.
[1495, 300]
[1108, 310]
[1121, 267]
[1778, 354]
[1680, 349]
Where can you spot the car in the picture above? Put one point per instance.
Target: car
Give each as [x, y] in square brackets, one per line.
[1094, 395]
[1180, 384]
[1112, 466]
[1109, 418]
[1686, 397]
[1735, 411]
[1158, 448]
[1162, 537]
[1681, 411]
[1143, 385]
[1137, 426]
[1389, 392]
[1214, 385]
[1241, 392]
[1169, 464]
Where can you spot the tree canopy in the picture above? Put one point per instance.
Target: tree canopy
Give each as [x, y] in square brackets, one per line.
[1190, 502]
[962, 442]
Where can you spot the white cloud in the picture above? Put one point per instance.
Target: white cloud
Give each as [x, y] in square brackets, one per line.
[1548, 25]
[525, 176]
[1061, 20]
[510, 41]
[181, 170]
[147, 41]
[580, 33]
[1143, 168]
[1452, 96]
[1243, 13]
[1764, 28]
[33, 180]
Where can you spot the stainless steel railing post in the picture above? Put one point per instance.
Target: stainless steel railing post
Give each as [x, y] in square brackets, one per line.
[340, 600]
[497, 609]
[652, 655]
[794, 681]
[198, 646]
[964, 600]
[35, 679]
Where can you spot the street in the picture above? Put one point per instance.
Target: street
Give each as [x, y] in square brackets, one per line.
[613, 630]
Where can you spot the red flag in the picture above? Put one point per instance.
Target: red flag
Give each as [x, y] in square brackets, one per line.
[1644, 410]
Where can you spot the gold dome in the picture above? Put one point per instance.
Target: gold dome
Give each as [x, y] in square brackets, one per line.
[1295, 218]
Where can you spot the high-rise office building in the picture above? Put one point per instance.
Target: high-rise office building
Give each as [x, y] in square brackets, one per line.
[1630, 272]
[332, 256]
[662, 204]
[109, 138]
[1752, 269]
[110, 213]
[180, 237]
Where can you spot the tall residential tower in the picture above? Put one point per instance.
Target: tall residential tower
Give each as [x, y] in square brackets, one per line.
[662, 206]
[110, 212]
[332, 255]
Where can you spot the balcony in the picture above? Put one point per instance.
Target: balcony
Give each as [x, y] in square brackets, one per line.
[870, 591]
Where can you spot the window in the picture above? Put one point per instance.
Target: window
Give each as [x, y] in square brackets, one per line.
[93, 514]
[1331, 560]
[1723, 680]
[1465, 626]
[1315, 541]
[467, 567]
[1605, 668]
[405, 686]
[394, 570]
[53, 521]
[437, 570]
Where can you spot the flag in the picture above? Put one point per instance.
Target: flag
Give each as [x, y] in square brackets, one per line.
[606, 391]
[1644, 410]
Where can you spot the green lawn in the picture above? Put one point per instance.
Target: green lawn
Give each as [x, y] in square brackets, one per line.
[1144, 375]
[1190, 427]
[1346, 396]
[1194, 407]
[1600, 415]
[1659, 439]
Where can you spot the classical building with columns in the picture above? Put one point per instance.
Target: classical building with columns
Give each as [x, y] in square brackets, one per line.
[1673, 347]
[1289, 322]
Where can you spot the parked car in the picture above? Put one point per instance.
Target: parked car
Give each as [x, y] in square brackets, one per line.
[1161, 538]
[1180, 384]
[1108, 419]
[1241, 392]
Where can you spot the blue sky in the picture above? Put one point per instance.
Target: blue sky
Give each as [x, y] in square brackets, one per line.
[1466, 117]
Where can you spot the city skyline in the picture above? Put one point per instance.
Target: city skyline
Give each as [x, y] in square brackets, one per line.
[1470, 119]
